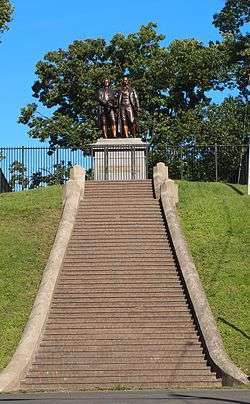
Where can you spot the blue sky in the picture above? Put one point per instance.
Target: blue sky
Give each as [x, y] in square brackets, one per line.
[42, 25]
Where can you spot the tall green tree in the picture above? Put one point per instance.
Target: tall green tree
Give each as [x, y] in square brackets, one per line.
[189, 143]
[233, 16]
[168, 79]
[68, 80]
[230, 21]
[173, 82]
[6, 10]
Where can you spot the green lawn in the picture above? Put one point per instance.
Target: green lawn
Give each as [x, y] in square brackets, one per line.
[216, 221]
[28, 224]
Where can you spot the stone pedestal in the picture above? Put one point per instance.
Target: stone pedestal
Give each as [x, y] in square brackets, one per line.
[120, 159]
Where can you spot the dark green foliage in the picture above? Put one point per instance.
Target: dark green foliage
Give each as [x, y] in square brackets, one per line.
[231, 19]
[68, 80]
[169, 80]
[58, 176]
[188, 144]
[233, 16]
[6, 10]
[173, 83]
[18, 175]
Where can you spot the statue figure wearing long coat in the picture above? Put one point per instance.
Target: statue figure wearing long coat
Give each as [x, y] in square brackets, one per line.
[106, 109]
[128, 108]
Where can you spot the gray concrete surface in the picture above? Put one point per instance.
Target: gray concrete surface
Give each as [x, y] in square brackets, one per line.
[144, 397]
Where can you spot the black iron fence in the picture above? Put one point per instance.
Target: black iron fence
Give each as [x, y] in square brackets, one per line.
[119, 162]
[30, 167]
[228, 163]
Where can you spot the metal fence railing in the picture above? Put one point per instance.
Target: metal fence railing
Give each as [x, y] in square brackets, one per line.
[119, 162]
[29, 167]
[228, 163]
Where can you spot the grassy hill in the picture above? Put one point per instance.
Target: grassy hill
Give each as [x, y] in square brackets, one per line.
[28, 223]
[216, 221]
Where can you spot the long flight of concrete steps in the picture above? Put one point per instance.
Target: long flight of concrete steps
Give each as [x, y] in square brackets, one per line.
[119, 316]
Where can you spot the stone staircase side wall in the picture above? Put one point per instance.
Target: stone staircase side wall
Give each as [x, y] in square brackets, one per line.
[73, 192]
[167, 192]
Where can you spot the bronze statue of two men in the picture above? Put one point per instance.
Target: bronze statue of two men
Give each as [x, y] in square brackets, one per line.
[118, 110]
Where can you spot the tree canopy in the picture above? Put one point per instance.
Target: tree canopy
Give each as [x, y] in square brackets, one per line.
[230, 21]
[174, 84]
[5, 14]
[171, 81]
[233, 16]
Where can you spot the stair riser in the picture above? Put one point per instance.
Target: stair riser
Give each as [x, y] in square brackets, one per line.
[135, 260]
[131, 196]
[102, 340]
[61, 318]
[119, 286]
[130, 214]
[123, 301]
[83, 234]
[115, 255]
[130, 277]
[193, 356]
[126, 225]
[97, 205]
[118, 219]
[122, 310]
[126, 287]
[129, 373]
[118, 248]
[53, 328]
[117, 366]
[110, 345]
[116, 295]
[82, 267]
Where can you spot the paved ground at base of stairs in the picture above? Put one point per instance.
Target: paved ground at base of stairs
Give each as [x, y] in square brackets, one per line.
[226, 396]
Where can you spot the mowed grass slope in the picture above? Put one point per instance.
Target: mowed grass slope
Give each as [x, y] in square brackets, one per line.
[28, 224]
[215, 218]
